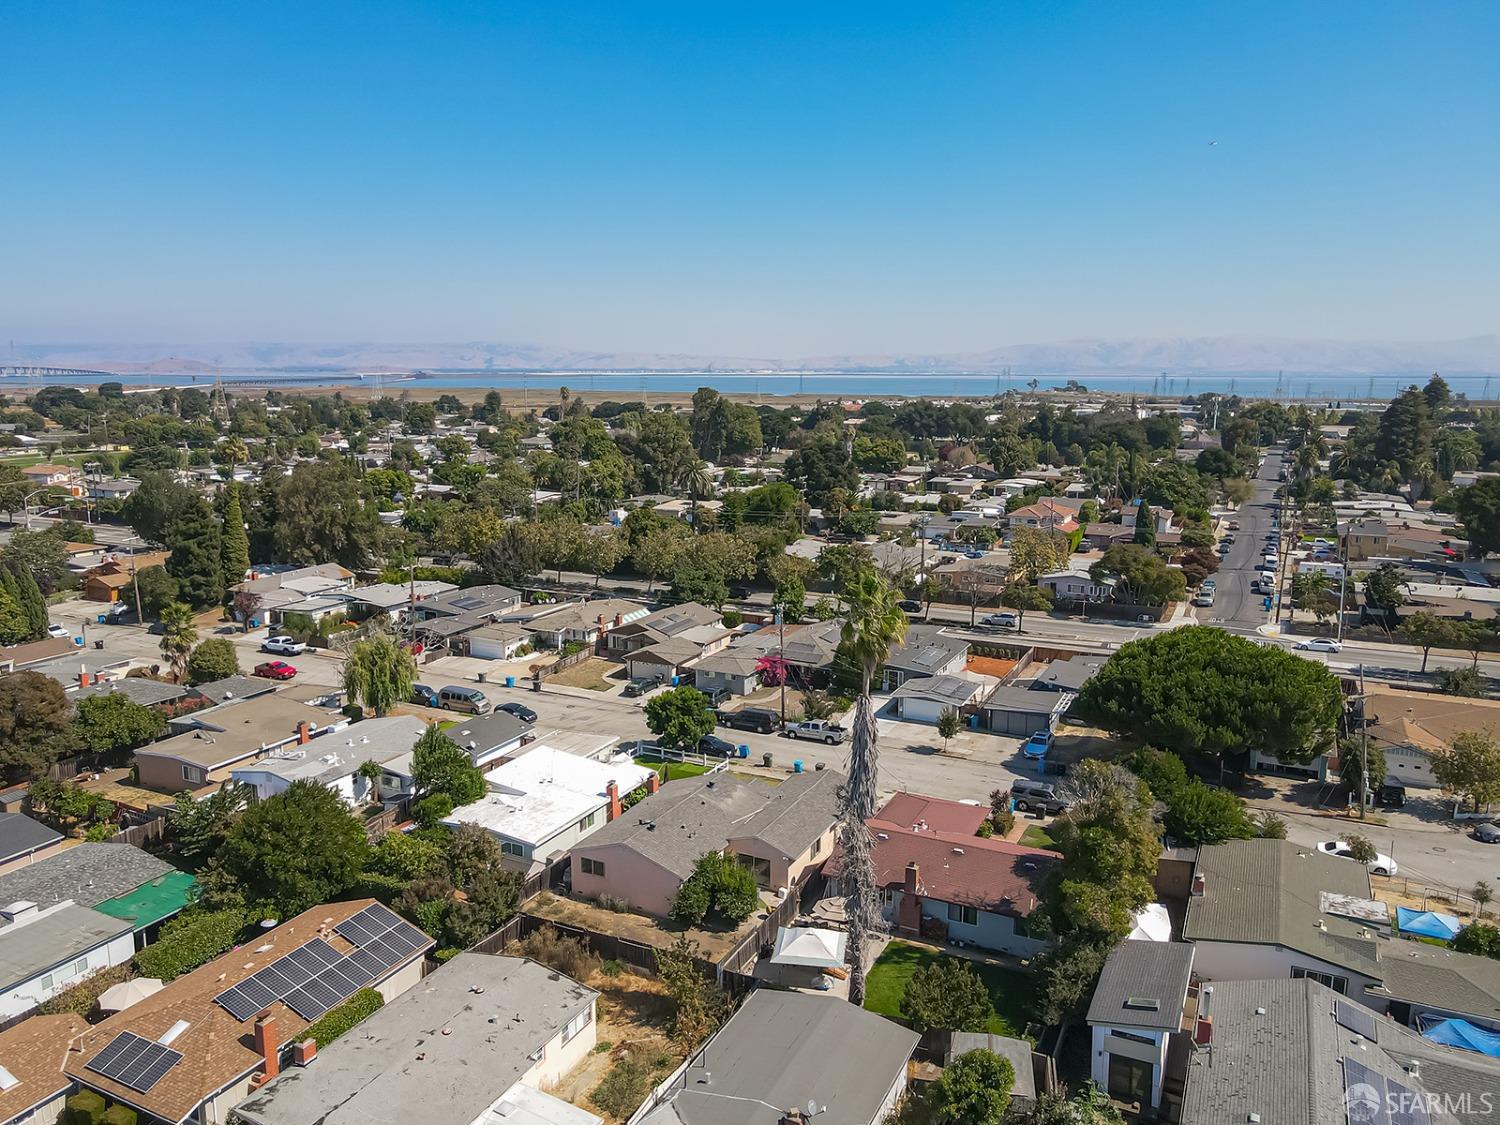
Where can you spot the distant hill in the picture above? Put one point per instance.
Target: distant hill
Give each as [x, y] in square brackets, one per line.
[1174, 355]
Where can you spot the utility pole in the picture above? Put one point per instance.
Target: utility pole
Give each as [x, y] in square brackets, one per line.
[781, 655]
[1364, 746]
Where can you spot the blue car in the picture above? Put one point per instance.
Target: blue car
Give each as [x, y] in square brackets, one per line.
[425, 696]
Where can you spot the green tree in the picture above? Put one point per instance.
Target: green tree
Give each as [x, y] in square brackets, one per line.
[1463, 681]
[158, 590]
[1110, 843]
[699, 1005]
[156, 505]
[1199, 815]
[321, 516]
[234, 539]
[440, 766]
[1140, 575]
[178, 637]
[1361, 850]
[1035, 552]
[654, 554]
[105, 723]
[1350, 766]
[1145, 527]
[34, 720]
[1385, 590]
[197, 559]
[719, 885]
[43, 554]
[1478, 509]
[213, 659]
[1021, 596]
[1066, 976]
[679, 717]
[1203, 691]
[1479, 938]
[200, 826]
[1427, 631]
[515, 557]
[1470, 767]
[946, 994]
[974, 1089]
[1090, 1106]
[873, 625]
[948, 725]
[15, 627]
[29, 598]
[378, 673]
[289, 852]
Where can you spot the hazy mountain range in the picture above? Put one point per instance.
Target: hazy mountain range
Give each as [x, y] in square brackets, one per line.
[1174, 355]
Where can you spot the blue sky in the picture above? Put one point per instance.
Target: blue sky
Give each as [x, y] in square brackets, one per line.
[765, 180]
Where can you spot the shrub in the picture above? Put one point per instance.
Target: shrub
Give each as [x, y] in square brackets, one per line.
[611, 967]
[733, 618]
[614, 905]
[431, 809]
[118, 1115]
[84, 1108]
[628, 1082]
[719, 885]
[557, 951]
[374, 884]
[81, 998]
[364, 1003]
[189, 941]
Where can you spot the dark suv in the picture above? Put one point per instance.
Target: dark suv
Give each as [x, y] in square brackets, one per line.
[751, 718]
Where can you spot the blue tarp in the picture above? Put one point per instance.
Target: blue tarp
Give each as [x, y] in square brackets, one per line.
[1463, 1034]
[1427, 923]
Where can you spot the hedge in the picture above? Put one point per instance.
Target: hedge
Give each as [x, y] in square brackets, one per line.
[188, 942]
[363, 1004]
[119, 1115]
[81, 997]
[83, 1108]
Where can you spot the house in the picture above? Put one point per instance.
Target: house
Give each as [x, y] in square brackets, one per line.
[337, 762]
[807, 649]
[1102, 536]
[45, 475]
[489, 738]
[1301, 1055]
[1075, 584]
[584, 622]
[510, 1028]
[671, 660]
[137, 689]
[1378, 538]
[546, 801]
[938, 881]
[1021, 712]
[226, 1027]
[396, 598]
[1161, 517]
[1048, 513]
[641, 858]
[735, 670]
[229, 690]
[924, 699]
[498, 641]
[221, 738]
[114, 488]
[786, 1051]
[926, 651]
[45, 951]
[24, 841]
[1134, 1016]
[312, 591]
[119, 880]
[1410, 727]
[33, 1087]
[1270, 908]
[488, 601]
[115, 573]
[663, 625]
[13, 658]
[1067, 675]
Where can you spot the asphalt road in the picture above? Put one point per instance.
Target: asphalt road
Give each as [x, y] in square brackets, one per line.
[1234, 603]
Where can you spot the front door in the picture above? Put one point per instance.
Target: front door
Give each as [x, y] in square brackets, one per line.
[1130, 1081]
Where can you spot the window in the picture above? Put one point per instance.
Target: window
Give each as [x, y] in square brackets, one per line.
[587, 822]
[510, 847]
[1337, 983]
[1132, 1036]
[45, 983]
[194, 775]
[817, 847]
[968, 915]
[1021, 927]
[592, 867]
[81, 965]
[578, 1023]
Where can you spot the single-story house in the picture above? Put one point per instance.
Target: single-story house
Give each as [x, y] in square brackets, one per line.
[733, 669]
[1411, 726]
[31, 1056]
[203, 757]
[24, 841]
[45, 951]
[926, 651]
[391, 597]
[924, 699]
[113, 879]
[489, 738]
[1020, 711]
[497, 641]
[663, 625]
[1066, 675]
[488, 600]
[336, 762]
[584, 622]
[1075, 584]
[669, 660]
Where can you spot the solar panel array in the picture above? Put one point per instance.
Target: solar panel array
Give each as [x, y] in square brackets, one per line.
[1371, 1098]
[315, 977]
[134, 1061]
[1359, 1020]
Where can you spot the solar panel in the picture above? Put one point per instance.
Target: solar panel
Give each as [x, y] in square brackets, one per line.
[1364, 1095]
[305, 1004]
[247, 998]
[1406, 1108]
[134, 1061]
[367, 963]
[1359, 1020]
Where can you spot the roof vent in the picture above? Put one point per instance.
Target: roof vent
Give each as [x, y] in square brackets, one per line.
[882, 836]
[958, 851]
[1143, 1004]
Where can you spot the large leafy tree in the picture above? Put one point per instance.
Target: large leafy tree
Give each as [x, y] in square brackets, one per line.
[196, 560]
[156, 505]
[1203, 691]
[440, 766]
[105, 723]
[873, 625]
[679, 717]
[34, 718]
[1478, 508]
[947, 994]
[289, 852]
[1140, 575]
[1470, 767]
[321, 516]
[213, 659]
[1034, 551]
[379, 673]
[1110, 843]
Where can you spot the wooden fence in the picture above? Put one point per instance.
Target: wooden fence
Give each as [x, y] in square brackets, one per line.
[141, 834]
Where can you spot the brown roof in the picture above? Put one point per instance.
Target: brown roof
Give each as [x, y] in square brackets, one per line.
[35, 652]
[217, 1049]
[907, 810]
[993, 875]
[1426, 721]
[113, 579]
[33, 1051]
[232, 733]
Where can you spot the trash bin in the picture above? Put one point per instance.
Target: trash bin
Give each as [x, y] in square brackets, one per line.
[765, 759]
[482, 676]
[819, 767]
[744, 750]
[797, 766]
[510, 681]
[974, 721]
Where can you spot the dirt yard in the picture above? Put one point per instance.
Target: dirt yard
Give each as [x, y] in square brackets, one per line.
[639, 928]
[595, 674]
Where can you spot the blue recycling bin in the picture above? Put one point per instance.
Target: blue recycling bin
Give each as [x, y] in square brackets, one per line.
[676, 680]
[744, 750]
[797, 766]
[510, 681]
[974, 722]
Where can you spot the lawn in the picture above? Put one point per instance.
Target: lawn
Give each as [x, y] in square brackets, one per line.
[672, 771]
[1010, 989]
[1036, 836]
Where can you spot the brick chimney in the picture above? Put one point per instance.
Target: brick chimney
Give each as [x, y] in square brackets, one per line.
[1200, 884]
[85, 679]
[304, 1052]
[909, 913]
[619, 620]
[653, 783]
[612, 791]
[792, 1117]
[304, 733]
[267, 1046]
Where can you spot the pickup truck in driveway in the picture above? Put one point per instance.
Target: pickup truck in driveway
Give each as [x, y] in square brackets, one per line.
[818, 731]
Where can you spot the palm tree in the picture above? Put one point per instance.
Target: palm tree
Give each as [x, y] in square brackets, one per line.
[178, 637]
[695, 479]
[873, 624]
[379, 673]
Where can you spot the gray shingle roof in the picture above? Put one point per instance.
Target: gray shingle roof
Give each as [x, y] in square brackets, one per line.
[137, 689]
[1067, 675]
[234, 687]
[925, 650]
[20, 835]
[786, 1049]
[1440, 978]
[1268, 892]
[805, 806]
[953, 690]
[87, 874]
[1138, 973]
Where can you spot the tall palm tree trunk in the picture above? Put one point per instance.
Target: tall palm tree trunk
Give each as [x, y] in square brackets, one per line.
[861, 903]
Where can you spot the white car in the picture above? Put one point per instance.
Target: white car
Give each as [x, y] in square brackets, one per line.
[1003, 620]
[1380, 865]
[283, 646]
[58, 631]
[1320, 644]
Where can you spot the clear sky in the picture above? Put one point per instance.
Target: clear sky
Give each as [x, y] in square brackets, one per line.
[748, 179]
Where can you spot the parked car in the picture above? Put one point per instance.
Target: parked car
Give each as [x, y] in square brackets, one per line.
[1038, 795]
[1204, 598]
[469, 700]
[1391, 796]
[1381, 865]
[1001, 620]
[1038, 744]
[973, 553]
[642, 685]
[1320, 644]
[1208, 584]
[750, 718]
[283, 645]
[519, 710]
[274, 670]
[817, 730]
[716, 697]
[713, 745]
[1487, 832]
[909, 605]
[424, 696]
[56, 630]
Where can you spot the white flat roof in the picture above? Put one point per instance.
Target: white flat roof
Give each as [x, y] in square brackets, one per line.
[539, 794]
